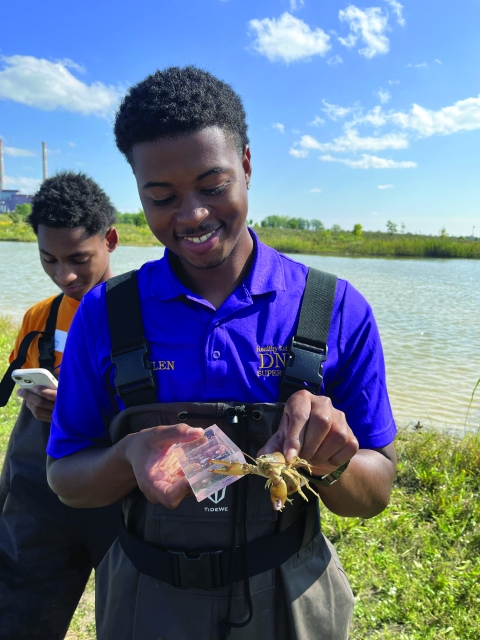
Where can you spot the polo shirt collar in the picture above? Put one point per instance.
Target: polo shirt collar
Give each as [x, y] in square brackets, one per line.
[265, 275]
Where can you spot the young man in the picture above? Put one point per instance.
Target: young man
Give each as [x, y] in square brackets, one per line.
[47, 549]
[213, 309]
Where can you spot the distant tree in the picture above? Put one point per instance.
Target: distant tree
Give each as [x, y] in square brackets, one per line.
[138, 219]
[316, 225]
[357, 230]
[336, 228]
[403, 228]
[275, 222]
[20, 213]
[391, 227]
[443, 232]
[298, 223]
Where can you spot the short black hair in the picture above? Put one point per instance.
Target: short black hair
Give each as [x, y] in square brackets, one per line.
[68, 200]
[178, 101]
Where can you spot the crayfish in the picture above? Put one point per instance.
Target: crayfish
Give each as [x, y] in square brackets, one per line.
[282, 477]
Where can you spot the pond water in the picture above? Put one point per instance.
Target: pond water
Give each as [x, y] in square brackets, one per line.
[428, 313]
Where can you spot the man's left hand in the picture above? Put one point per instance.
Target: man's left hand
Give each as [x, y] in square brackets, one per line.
[311, 428]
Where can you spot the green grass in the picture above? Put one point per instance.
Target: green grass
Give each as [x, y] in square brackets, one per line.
[414, 569]
[341, 243]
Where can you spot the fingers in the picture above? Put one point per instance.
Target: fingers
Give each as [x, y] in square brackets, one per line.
[166, 436]
[296, 419]
[314, 430]
[40, 403]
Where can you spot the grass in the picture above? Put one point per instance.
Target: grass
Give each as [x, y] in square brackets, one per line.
[414, 569]
[342, 243]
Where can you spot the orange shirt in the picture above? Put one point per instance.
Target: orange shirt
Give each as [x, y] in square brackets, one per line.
[35, 319]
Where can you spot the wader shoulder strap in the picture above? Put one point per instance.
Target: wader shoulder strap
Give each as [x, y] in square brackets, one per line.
[134, 379]
[308, 349]
[46, 348]
[46, 342]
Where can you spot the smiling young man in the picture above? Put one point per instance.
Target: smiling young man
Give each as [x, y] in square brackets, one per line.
[47, 549]
[213, 308]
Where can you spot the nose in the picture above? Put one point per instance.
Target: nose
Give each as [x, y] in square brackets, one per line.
[64, 274]
[192, 211]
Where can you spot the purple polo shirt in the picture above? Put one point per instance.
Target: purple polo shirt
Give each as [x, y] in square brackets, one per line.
[236, 352]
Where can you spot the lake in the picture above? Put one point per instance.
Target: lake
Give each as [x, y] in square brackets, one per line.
[428, 313]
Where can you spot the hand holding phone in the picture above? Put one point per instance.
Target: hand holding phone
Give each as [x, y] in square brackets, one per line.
[41, 402]
[28, 378]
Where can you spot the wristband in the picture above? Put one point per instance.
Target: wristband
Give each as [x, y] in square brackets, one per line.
[328, 479]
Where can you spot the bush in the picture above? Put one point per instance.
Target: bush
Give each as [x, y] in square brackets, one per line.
[20, 213]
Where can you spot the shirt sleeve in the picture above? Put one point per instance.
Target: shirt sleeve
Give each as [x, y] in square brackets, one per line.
[357, 384]
[84, 406]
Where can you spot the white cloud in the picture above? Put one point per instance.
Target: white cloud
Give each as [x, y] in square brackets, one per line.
[25, 185]
[391, 82]
[315, 190]
[18, 153]
[385, 186]
[464, 115]
[288, 39]
[351, 141]
[370, 26]
[421, 65]
[334, 60]
[334, 111]
[376, 118]
[50, 85]
[298, 153]
[317, 122]
[384, 95]
[371, 162]
[278, 126]
[296, 4]
[72, 144]
[438, 61]
[397, 10]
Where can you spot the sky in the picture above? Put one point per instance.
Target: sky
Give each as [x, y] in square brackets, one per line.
[359, 112]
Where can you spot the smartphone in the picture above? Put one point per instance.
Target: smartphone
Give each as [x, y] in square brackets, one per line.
[27, 378]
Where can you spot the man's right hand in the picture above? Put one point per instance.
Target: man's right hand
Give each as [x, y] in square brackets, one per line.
[157, 471]
[40, 400]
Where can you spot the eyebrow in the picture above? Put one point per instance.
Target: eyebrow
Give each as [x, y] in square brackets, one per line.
[78, 254]
[149, 185]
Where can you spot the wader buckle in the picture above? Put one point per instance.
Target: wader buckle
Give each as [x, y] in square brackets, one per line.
[197, 572]
[133, 372]
[304, 368]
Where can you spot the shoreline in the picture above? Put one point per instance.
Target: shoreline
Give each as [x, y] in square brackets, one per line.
[369, 244]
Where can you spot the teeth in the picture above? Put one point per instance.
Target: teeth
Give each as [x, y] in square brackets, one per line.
[201, 239]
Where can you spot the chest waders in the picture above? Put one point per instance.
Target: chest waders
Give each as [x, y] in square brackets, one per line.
[229, 565]
[47, 550]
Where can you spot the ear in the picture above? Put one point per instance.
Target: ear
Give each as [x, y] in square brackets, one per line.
[246, 163]
[111, 238]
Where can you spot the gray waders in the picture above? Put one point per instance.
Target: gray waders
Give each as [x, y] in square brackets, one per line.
[47, 550]
[229, 566]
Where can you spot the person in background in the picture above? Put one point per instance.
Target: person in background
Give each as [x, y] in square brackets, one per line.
[218, 316]
[48, 549]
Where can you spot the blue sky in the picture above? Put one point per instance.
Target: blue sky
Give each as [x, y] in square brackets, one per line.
[358, 112]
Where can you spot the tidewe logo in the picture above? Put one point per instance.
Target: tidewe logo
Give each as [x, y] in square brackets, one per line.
[271, 360]
[217, 497]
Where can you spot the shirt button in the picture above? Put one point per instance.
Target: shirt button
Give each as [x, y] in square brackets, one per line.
[216, 355]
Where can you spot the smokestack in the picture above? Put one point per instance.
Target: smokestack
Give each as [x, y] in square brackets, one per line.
[44, 156]
[2, 168]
